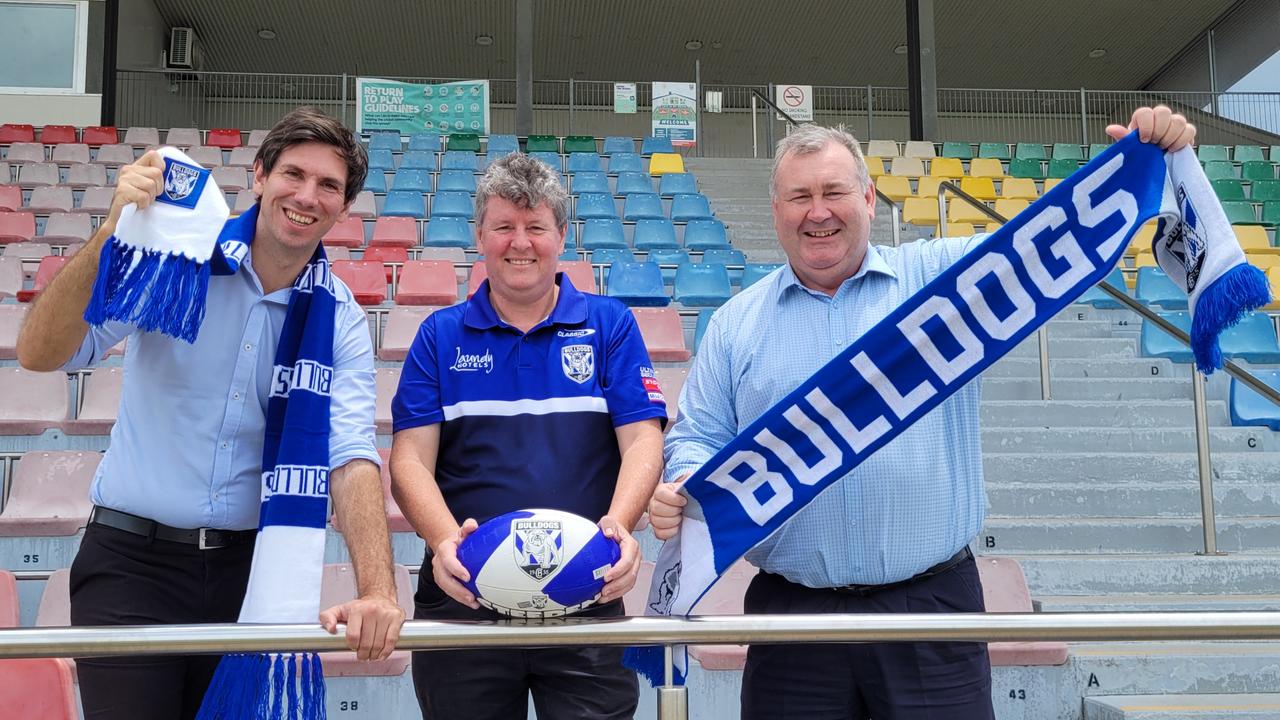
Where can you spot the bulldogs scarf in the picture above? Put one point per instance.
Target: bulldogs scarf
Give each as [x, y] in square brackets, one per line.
[941, 338]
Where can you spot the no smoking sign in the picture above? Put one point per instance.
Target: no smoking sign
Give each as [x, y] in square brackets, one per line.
[796, 101]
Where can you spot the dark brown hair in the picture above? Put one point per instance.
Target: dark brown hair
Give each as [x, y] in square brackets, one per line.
[308, 124]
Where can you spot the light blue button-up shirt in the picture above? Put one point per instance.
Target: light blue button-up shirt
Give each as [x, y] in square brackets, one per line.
[186, 449]
[915, 502]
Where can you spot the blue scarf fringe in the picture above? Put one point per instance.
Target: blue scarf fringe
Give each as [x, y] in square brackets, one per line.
[1221, 305]
[157, 292]
[649, 662]
[254, 685]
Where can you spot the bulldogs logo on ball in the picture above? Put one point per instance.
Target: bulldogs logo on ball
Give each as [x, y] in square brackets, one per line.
[538, 544]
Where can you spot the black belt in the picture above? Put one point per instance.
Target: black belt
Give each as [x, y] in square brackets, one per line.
[204, 538]
[945, 565]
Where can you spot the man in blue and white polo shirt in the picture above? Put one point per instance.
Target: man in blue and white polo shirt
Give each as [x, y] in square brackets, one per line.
[531, 394]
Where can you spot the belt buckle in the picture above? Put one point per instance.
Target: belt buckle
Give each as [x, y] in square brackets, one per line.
[204, 544]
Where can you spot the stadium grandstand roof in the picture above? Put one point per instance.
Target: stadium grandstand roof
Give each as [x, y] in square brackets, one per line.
[821, 42]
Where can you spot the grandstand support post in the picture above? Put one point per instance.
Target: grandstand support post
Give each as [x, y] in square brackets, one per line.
[1084, 119]
[1208, 519]
[922, 78]
[344, 101]
[700, 133]
[755, 145]
[673, 700]
[524, 67]
[869, 95]
[768, 123]
[570, 106]
[1042, 337]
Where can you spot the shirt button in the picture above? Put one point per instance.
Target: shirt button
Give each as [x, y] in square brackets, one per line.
[235, 396]
[216, 496]
[248, 347]
[225, 445]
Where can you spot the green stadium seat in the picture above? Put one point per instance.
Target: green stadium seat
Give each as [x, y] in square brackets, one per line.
[1228, 189]
[999, 151]
[1263, 190]
[1062, 167]
[1030, 151]
[1257, 170]
[1271, 212]
[467, 142]
[579, 143]
[1067, 151]
[1096, 149]
[542, 143]
[1026, 168]
[1211, 153]
[1247, 153]
[958, 150]
[1240, 213]
[1215, 169]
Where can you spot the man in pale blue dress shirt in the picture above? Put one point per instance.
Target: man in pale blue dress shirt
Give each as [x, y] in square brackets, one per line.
[178, 493]
[892, 536]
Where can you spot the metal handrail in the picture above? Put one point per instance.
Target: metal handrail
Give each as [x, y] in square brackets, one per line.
[711, 630]
[771, 104]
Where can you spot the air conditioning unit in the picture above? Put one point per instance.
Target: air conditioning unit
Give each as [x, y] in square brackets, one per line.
[184, 49]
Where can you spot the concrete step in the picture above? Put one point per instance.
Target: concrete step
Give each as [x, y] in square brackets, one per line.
[1251, 573]
[1159, 603]
[1228, 467]
[1116, 389]
[1123, 439]
[1068, 368]
[1157, 668]
[1106, 348]
[1127, 499]
[1055, 535]
[1237, 706]
[1098, 413]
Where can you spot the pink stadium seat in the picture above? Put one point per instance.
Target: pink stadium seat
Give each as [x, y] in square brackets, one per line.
[479, 273]
[96, 200]
[25, 152]
[256, 137]
[15, 133]
[55, 601]
[397, 336]
[37, 689]
[114, 155]
[224, 138]
[63, 228]
[182, 137]
[402, 231]
[87, 175]
[363, 206]
[100, 135]
[11, 317]
[348, 233]
[231, 178]
[725, 598]
[671, 380]
[663, 334]
[209, 157]
[142, 137]
[337, 253]
[387, 254]
[338, 585]
[31, 402]
[70, 153]
[8, 600]
[57, 198]
[99, 402]
[427, 282]
[634, 600]
[50, 495]
[1004, 590]
[455, 255]
[58, 134]
[38, 174]
[29, 251]
[11, 276]
[10, 197]
[49, 266]
[385, 384]
[580, 274]
[6, 172]
[366, 280]
[18, 226]
[242, 157]
[245, 199]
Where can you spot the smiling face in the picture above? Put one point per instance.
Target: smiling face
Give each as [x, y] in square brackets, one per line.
[301, 198]
[521, 248]
[822, 215]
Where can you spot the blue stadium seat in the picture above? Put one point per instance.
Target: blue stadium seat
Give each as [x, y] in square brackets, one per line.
[585, 162]
[596, 205]
[618, 144]
[385, 141]
[1252, 339]
[705, 234]
[625, 162]
[1250, 408]
[637, 284]
[702, 284]
[429, 142]
[1155, 342]
[452, 204]
[643, 206]
[404, 203]
[1100, 299]
[600, 233]
[633, 183]
[411, 179]
[459, 160]
[673, 184]
[570, 238]
[456, 181]
[570, 252]
[591, 182]
[550, 158]
[609, 256]
[502, 145]
[755, 272]
[669, 256]
[382, 160]
[704, 319]
[1155, 288]
[652, 233]
[375, 181]
[653, 145]
[686, 207]
[726, 256]
[418, 159]
[448, 232]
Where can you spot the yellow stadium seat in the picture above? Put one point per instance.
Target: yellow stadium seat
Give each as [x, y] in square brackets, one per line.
[920, 211]
[875, 166]
[946, 168]
[1009, 207]
[919, 149]
[958, 229]
[1050, 182]
[960, 211]
[882, 148]
[1141, 240]
[1274, 275]
[907, 167]
[1264, 261]
[927, 187]
[1019, 189]
[896, 188]
[980, 187]
[663, 163]
[1254, 238]
[1144, 259]
[986, 167]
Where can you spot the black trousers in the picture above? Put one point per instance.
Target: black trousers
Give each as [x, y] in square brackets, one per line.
[884, 681]
[119, 578]
[587, 683]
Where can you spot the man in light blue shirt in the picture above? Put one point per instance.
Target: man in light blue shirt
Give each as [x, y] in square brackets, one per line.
[178, 493]
[893, 535]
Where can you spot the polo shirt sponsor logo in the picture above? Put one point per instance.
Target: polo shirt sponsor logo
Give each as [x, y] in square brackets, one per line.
[472, 362]
[650, 381]
[575, 333]
[578, 362]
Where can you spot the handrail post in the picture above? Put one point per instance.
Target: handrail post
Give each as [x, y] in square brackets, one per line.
[673, 700]
[942, 211]
[755, 147]
[1046, 390]
[1208, 519]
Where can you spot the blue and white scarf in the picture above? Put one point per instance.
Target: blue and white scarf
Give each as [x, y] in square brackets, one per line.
[136, 283]
[941, 338]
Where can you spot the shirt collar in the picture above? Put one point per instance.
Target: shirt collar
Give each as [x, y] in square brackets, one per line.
[570, 309]
[872, 262]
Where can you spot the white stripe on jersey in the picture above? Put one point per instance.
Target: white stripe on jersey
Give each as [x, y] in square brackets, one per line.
[509, 408]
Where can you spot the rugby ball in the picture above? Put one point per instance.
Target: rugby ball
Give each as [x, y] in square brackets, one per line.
[537, 563]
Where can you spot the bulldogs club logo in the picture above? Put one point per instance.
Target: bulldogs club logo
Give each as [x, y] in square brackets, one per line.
[1183, 241]
[667, 591]
[538, 545]
[578, 362]
[182, 183]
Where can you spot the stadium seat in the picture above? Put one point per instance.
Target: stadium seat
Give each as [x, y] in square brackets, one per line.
[1026, 168]
[1228, 189]
[32, 402]
[1240, 212]
[1007, 207]
[99, 402]
[8, 600]
[652, 144]
[631, 182]
[727, 256]
[986, 167]
[705, 234]
[1216, 169]
[1099, 298]
[400, 231]
[1258, 170]
[417, 160]
[580, 273]
[429, 142]
[920, 211]
[663, 163]
[10, 197]
[204, 155]
[1154, 342]
[949, 168]
[625, 162]
[993, 150]
[645, 206]
[381, 160]
[653, 233]
[671, 382]
[1029, 151]
[693, 206]
[725, 598]
[663, 334]
[456, 181]
[672, 257]
[906, 167]
[882, 148]
[50, 199]
[1252, 339]
[981, 188]
[366, 280]
[1004, 590]
[595, 205]
[464, 142]
[241, 157]
[1018, 189]
[96, 200]
[960, 211]
[87, 175]
[550, 158]
[17, 226]
[347, 233]
[402, 327]
[427, 282]
[875, 167]
[11, 276]
[338, 585]
[608, 256]
[364, 206]
[375, 181]
[337, 253]
[58, 134]
[451, 204]
[926, 187]
[17, 133]
[231, 178]
[1253, 239]
[579, 144]
[1062, 167]
[385, 141]
[700, 329]
[585, 162]
[70, 153]
[755, 272]
[38, 174]
[37, 689]
[384, 254]
[449, 232]
[637, 284]
[601, 233]
[500, 146]
[1067, 151]
[385, 383]
[895, 188]
[142, 137]
[122, 155]
[1248, 408]
[958, 150]
[64, 228]
[702, 285]
[542, 143]
[405, 203]
[414, 180]
[618, 144]
[24, 152]
[459, 160]
[590, 182]
[1155, 288]
[49, 266]
[1209, 153]
[1246, 153]
[225, 138]
[1271, 212]
[672, 184]
[11, 317]
[919, 149]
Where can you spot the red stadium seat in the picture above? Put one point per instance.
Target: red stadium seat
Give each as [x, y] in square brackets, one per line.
[37, 689]
[100, 135]
[386, 254]
[11, 317]
[427, 282]
[338, 585]
[348, 233]
[31, 402]
[99, 402]
[13, 132]
[17, 226]
[580, 273]
[8, 600]
[402, 327]
[401, 231]
[10, 197]
[224, 138]
[49, 266]
[663, 334]
[366, 280]
[50, 495]
[57, 134]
